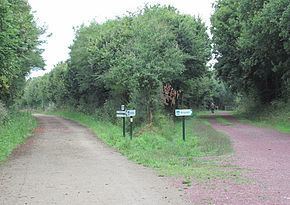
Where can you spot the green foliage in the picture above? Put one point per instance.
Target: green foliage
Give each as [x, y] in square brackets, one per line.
[50, 89]
[56, 90]
[128, 61]
[14, 132]
[19, 52]
[252, 46]
[161, 147]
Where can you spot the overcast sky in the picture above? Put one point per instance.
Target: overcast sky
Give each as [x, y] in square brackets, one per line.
[60, 16]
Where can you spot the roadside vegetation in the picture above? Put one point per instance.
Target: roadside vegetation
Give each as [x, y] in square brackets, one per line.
[19, 54]
[161, 146]
[275, 116]
[252, 47]
[14, 130]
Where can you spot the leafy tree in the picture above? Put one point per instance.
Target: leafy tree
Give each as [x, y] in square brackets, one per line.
[19, 52]
[251, 46]
[56, 91]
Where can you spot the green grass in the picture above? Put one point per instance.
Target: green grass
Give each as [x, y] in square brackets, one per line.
[275, 117]
[162, 147]
[14, 132]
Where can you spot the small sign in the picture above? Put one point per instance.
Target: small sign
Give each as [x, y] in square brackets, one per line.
[121, 113]
[131, 113]
[183, 112]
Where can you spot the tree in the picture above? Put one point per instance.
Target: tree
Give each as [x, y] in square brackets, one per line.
[19, 52]
[251, 46]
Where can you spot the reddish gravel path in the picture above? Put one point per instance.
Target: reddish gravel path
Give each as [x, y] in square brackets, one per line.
[265, 153]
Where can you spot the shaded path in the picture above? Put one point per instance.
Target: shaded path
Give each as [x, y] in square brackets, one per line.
[64, 163]
[265, 153]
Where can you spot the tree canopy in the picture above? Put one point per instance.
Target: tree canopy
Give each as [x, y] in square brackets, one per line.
[19, 51]
[251, 45]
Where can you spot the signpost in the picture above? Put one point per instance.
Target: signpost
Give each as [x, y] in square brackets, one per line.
[124, 121]
[126, 113]
[183, 113]
[131, 128]
[122, 113]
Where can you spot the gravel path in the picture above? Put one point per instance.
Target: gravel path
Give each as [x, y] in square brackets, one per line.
[264, 154]
[64, 163]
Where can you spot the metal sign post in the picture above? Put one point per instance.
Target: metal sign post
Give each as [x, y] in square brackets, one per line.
[131, 128]
[122, 113]
[124, 121]
[182, 113]
[183, 128]
[126, 113]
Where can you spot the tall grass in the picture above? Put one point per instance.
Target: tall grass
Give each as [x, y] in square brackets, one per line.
[162, 147]
[14, 132]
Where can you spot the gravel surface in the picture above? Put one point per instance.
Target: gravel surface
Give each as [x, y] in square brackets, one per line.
[264, 156]
[64, 163]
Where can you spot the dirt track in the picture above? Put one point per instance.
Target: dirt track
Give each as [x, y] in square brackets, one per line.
[264, 156]
[64, 163]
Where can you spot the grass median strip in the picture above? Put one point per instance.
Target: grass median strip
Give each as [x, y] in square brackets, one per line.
[162, 147]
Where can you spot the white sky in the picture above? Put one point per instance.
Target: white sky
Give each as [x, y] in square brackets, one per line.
[60, 16]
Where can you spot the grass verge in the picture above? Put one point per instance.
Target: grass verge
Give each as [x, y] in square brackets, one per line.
[275, 116]
[14, 132]
[162, 147]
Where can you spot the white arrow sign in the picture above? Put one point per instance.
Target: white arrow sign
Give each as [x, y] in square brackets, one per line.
[121, 113]
[183, 112]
